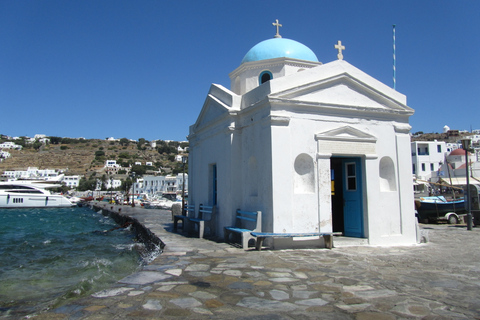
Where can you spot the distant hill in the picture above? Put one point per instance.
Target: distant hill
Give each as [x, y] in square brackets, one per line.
[86, 156]
[450, 137]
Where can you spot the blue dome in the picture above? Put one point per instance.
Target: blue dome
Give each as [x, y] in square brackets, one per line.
[279, 48]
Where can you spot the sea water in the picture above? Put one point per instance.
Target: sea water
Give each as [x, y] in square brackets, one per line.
[50, 256]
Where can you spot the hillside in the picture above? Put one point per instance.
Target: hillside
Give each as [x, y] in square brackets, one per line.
[84, 157]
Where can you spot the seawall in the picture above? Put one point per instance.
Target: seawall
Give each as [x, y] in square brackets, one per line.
[124, 216]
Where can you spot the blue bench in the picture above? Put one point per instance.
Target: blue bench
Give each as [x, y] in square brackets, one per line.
[327, 237]
[189, 212]
[206, 218]
[246, 222]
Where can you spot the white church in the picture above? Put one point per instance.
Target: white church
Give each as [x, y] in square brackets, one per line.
[315, 147]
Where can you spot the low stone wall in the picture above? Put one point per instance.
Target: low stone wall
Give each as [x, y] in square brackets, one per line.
[142, 233]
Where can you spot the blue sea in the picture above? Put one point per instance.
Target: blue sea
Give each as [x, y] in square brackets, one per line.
[51, 256]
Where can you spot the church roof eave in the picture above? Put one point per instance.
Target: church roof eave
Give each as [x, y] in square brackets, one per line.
[269, 63]
[220, 106]
[327, 108]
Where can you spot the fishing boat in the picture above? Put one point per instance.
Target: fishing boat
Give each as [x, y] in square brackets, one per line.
[439, 208]
[30, 194]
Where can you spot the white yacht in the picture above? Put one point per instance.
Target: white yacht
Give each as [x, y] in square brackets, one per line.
[30, 194]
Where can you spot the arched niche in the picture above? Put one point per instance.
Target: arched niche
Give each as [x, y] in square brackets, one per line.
[387, 175]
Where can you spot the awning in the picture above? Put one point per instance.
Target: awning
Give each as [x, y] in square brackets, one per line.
[460, 181]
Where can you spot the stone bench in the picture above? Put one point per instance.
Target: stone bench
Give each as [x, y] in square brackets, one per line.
[261, 236]
[206, 218]
[189, 211]
[245, 223]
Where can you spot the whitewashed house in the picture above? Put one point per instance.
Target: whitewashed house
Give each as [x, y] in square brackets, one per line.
[427, 158]
[10, 145]
[315, 147]
[4, 155]
[452, 146]
[112, 167]
[159, 184]
[72, 181]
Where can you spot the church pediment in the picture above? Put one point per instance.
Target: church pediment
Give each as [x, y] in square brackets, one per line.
[342, 87]
[346, 133]
[211, 111]
[218, 104]
[346, 140]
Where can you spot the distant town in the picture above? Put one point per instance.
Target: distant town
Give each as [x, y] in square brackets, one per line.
[161, 166]
[126, 165]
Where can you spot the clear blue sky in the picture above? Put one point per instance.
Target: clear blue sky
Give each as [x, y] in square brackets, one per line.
[142, 69]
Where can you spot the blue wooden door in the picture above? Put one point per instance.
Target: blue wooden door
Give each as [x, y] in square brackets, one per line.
[352, 197]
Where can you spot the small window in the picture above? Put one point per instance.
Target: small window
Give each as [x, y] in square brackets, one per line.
[351, 177]
[265, 76]
[432, 168]
[439, 148]
[423, 166]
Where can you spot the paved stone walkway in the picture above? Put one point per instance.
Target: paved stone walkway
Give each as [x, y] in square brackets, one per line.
[201, 279]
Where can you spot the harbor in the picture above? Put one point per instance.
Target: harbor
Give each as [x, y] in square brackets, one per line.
[205, 279]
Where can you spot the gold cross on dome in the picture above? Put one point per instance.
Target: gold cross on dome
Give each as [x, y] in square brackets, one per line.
[278, 25]
[340, 48]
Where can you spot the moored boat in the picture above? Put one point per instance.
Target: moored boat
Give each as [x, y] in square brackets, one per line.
[439, 208]
[22, 194]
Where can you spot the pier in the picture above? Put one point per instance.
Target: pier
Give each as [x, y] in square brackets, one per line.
[204, 279]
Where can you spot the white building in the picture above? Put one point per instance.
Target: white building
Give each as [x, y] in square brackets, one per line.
[452, 146]
[315, 147]
[427, 158]
[160, 184]
[34, 173]
[111, 166]
[71, 181]
[10, 145]
[4, 154]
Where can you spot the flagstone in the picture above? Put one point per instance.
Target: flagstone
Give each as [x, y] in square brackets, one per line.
[312, 302]
[186, 302]
[198, 267]
[279, 295]
[153, 305]
[144, 277]
[266, 305]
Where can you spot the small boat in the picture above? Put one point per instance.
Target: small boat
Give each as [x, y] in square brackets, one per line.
[30, 194]
[162, 203]
[439, 208]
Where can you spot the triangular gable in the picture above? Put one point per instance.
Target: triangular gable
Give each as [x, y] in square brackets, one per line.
[342, 86]
[346, 133]
[216, 106]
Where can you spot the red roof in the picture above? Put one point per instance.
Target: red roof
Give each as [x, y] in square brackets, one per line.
[458, 152]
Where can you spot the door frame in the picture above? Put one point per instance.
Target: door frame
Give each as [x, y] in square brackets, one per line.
[351, 195]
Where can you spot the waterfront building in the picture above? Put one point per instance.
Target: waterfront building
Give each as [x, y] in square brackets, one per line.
[315, 147]
[159, 184]
[427, 158]
[72, 181]
[34, 173]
